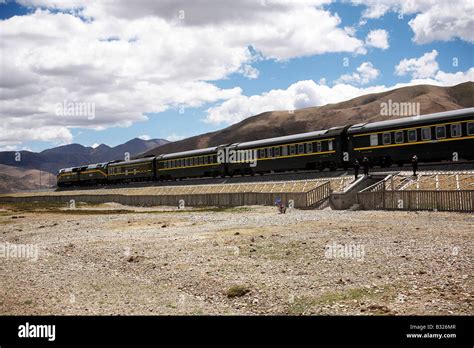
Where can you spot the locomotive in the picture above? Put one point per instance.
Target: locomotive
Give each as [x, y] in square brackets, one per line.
[444, 136]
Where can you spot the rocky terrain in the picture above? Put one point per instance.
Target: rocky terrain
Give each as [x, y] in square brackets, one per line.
[112, 259]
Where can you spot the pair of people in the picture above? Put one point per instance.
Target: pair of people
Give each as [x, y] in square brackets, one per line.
[365, 164]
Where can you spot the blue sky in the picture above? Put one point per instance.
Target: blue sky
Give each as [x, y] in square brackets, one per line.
[59, 53]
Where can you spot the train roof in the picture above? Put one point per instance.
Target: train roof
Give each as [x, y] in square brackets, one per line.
[96, 165]
[138, 160]
[413, 120]
[291, 138]
[205, 151]
[64, 170]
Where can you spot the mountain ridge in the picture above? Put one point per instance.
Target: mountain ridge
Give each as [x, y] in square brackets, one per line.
[70, 155]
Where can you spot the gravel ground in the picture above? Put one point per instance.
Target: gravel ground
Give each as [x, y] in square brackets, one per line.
[111, 259]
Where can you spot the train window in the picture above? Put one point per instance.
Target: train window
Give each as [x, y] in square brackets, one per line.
[205, 160]
[470, 128]
[300, 148]
[412, 135]
[309, 147]
[284, 150]
[276, 151]
[269, 152]
[426, 133]
[386, 138]
[200, 160]
[456, 130]
[261, 153]
[399, 137]
[165, 164]
[186, 162]
[318, 146]
[292, 149]
[374, 139]
[330, 145]
[440, 132]
[213, 159]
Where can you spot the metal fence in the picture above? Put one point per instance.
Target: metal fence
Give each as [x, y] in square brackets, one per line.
[317, 195]
[449, 200]
[302, 200]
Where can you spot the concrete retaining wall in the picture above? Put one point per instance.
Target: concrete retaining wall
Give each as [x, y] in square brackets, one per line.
[215, 199]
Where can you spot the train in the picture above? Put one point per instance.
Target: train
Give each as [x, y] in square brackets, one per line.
[439, 137]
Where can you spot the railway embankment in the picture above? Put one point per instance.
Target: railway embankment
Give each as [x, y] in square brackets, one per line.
[429, 190]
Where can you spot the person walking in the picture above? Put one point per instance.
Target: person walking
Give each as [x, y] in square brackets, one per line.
[281, 206]
[365, 164]
[356, 169]
[414, 164]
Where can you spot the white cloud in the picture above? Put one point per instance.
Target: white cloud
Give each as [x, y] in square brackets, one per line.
[144, 137]
[442, 78]
[9, 147]
[377, 38]
[309, 93]
[175, 137]
[130, 59]
[423, 67]
[365, 74]
[249, 71]
[298, 95]
[434, 20]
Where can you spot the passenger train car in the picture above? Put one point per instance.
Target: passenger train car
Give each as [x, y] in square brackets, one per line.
[445, 136]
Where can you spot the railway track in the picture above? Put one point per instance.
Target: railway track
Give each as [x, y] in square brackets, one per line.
[281, 176]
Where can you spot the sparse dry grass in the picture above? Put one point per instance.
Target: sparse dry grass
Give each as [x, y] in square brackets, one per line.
[237, 261]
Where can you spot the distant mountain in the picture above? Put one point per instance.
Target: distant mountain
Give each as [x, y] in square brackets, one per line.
[72, 155]
[13, 179]
[366, 108]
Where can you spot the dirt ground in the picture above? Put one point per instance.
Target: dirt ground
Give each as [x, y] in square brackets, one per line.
[111, 259]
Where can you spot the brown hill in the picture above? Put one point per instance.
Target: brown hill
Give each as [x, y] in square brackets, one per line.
[13, 179]
[361, 109]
